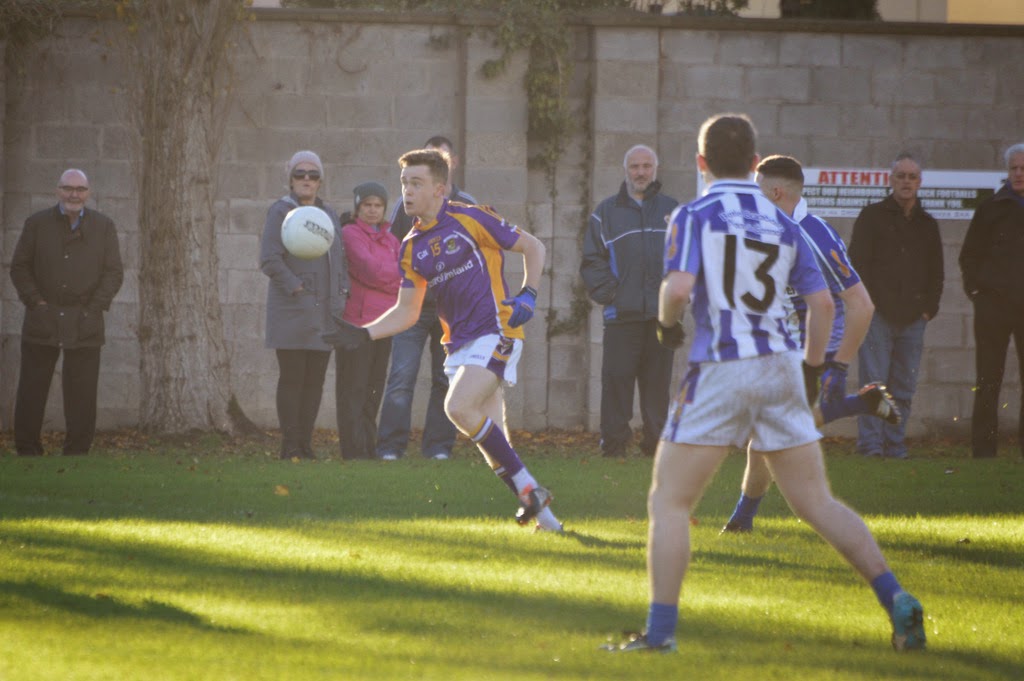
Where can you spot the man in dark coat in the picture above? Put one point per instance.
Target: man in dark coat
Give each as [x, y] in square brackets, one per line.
[66, 269]
[897, 250]
[622, 267]
[992, 265]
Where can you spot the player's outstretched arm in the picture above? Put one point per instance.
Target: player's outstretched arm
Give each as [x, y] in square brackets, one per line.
[400, 317]
[858, 310]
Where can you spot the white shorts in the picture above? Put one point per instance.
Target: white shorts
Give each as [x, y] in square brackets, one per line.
[495, 353]
[760, 400]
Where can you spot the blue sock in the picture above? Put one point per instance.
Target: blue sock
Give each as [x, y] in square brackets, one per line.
[746, 509]
[886, 587]
[851, 405]
[661, 622]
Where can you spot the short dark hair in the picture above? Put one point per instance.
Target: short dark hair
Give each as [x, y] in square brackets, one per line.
[728, 142]
[440, 141]
[435, 160]
[782, 167]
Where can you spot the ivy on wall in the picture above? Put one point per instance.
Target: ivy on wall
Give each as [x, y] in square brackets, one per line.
[541, 28]
[538, 27]
[23, 22]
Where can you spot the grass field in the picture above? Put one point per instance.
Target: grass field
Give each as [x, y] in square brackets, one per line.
[216, 561]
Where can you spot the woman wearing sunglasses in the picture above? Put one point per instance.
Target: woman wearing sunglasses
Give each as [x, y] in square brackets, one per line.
[301, 296]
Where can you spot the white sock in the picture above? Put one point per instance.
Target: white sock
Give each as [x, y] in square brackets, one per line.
[548, 521]
[523, 480]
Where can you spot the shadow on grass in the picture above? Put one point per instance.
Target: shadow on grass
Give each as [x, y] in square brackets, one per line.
[979, 552]
[593, 542]
[430, 608]
[102, 605]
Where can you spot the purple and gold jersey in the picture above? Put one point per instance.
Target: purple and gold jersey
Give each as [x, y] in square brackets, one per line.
[835, 265]
[745, 253]
[459, 256]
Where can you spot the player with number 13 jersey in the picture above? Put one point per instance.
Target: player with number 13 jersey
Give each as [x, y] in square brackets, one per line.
[745, 253]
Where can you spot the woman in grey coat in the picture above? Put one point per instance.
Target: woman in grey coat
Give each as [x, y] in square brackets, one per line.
[301, 297]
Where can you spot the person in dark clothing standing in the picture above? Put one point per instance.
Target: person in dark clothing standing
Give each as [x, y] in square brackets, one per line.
[622, 268]
[66, 269]
[406, 353]
[897, 249]
[992, 266]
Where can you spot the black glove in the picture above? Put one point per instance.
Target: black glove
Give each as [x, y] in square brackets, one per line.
[833, 381]
[671, 337]
[812, 382]
[346, 336]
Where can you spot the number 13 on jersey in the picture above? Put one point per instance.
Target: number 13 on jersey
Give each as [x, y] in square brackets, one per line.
[743, 273]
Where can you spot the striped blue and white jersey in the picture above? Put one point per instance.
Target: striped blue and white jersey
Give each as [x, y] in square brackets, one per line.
[745, 254]
[835, 266]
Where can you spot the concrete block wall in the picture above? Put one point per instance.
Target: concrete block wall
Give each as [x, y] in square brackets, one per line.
[63, 109]
[327, 86]
[361, 92]
[830, 99]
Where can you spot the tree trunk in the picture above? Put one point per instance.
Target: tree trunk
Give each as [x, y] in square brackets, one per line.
[181, 48]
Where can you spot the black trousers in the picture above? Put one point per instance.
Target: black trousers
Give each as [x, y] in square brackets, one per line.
[80, 373]
[633, 358]
[359, 377]
[995, 321]
[300, 386]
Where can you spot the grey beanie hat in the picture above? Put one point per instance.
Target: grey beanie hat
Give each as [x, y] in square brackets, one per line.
[370, 189]
[305, 156]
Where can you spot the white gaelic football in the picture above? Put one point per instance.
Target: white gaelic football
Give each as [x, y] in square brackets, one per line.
[307, 232]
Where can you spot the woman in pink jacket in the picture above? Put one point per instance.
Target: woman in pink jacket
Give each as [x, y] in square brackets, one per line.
[372, 254]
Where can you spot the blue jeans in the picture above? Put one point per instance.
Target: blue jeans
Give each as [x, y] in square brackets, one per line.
[891, 354]
[396, 409]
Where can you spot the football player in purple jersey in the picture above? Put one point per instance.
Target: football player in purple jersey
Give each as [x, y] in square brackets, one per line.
[458, 250]
[730, 257]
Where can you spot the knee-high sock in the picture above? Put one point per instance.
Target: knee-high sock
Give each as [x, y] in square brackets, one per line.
[494, 444]
[851, 405]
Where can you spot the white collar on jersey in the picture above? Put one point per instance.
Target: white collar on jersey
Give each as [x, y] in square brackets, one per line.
[800, 210]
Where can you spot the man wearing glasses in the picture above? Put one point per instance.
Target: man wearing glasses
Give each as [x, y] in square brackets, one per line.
[897, 250]
[66, 269]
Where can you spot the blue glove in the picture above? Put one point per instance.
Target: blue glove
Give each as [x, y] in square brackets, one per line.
[522, 306]
[346, 336]
[833, 381]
